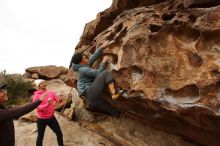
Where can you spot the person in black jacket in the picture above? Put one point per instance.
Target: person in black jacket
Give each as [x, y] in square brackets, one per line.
[7, 133]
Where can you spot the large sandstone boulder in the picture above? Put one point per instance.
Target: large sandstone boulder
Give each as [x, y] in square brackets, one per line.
[166, 55]
[48, 72]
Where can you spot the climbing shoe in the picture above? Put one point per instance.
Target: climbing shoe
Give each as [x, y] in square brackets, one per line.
[117, 94]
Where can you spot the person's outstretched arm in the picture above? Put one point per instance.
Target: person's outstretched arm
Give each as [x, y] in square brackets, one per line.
[98, 53]
[14, 113]
[95, 72]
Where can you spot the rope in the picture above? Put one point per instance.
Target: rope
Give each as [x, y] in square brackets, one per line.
[69, 95]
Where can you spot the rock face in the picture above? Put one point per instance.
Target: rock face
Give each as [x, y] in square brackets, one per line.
[48, 72]
[166, 55]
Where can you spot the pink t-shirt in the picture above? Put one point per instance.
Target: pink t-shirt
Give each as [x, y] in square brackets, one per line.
[45, 110]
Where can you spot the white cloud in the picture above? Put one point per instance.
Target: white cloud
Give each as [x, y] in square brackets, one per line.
[42, 32]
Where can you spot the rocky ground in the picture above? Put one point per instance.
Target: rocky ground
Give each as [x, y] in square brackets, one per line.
[106, 131]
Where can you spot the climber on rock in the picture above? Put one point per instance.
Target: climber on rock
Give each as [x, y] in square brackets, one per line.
[91, 82]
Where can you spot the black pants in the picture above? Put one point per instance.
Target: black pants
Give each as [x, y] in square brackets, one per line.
[54, 125]
[93, 93]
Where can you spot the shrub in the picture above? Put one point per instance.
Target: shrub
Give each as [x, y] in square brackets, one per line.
[16, 87]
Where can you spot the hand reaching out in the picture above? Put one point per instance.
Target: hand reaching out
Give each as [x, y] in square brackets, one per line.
[49, 100]
[41, 98]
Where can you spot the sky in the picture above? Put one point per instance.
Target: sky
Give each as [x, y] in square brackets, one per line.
[43, 32]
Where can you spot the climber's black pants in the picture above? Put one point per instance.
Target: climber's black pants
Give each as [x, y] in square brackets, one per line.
[93, 93]
[54, 125]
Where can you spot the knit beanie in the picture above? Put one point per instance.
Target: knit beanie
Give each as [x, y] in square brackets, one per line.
[37, 82]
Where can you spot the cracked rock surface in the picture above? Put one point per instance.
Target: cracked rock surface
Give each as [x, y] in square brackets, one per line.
[166, 55]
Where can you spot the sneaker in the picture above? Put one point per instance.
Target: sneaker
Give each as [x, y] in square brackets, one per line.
[117, 94]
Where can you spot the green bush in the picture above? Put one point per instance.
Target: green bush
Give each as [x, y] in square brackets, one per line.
[16, 87]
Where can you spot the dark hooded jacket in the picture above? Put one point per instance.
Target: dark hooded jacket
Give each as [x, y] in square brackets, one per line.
[86, 74]
[7, 133]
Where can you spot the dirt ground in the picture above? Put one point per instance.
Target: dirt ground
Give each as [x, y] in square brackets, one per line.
[106, 132]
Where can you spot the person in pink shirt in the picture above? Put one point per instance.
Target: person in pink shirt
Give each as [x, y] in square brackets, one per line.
[45, 113]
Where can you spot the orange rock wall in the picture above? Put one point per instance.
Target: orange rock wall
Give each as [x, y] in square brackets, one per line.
[166, 55]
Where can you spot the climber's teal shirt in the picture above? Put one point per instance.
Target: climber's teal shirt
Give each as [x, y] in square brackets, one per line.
[86, 74]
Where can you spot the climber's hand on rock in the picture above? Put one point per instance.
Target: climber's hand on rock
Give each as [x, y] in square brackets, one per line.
[105, 59]
[105, 44]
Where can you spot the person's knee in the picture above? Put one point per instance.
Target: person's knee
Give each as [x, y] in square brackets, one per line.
[106, 72]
